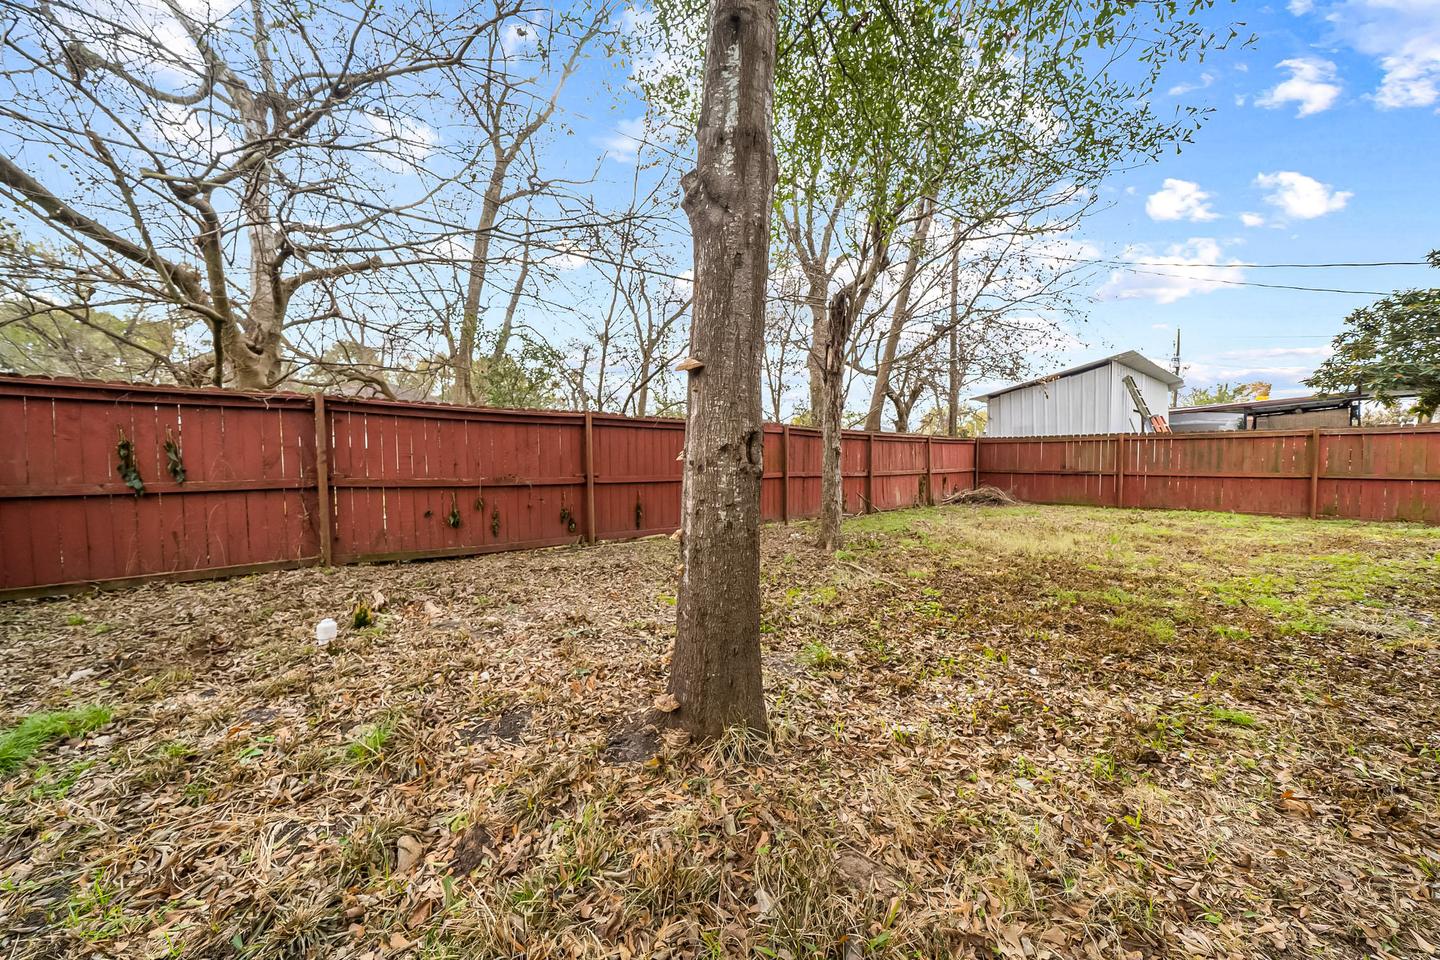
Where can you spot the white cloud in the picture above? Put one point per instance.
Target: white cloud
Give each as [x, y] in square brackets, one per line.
[1252, 219]
[1301, 197]
[1412, 74]
[1180, 89]
[623, 144]
[1282, 367]
[1311, 84]
[1179, 200]
[1300, 7]
[566, 255]
[401, 143]
[1404, 38]
[185, 127]
[1183, 269]
[518, 39]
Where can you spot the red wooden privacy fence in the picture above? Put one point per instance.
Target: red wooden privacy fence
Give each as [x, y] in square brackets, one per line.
[1380, 473]
[272, 480]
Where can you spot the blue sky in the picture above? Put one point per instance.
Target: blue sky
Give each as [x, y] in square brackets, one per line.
[1322, 148]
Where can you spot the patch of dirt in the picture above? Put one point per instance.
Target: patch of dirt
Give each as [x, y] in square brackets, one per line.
[632, 742]
[471, 850]
[508, 726]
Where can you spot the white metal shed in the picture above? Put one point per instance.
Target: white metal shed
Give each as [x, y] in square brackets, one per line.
[1090, 398]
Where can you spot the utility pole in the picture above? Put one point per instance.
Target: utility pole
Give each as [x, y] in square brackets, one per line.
[1175, 365]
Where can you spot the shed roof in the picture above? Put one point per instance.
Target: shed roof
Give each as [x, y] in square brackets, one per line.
[1319, 401]
[1130, 358]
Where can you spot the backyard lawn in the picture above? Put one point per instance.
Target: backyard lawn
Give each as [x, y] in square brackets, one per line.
[1018, 732]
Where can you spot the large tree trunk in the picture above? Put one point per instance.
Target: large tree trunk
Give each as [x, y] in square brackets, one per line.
[255, 357]
[715, 673]
[814, 362]
[899, 317]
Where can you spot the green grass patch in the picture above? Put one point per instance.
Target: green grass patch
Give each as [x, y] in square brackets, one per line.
[369, 748]
[1238, 718]
[817, 656]
[20, 742]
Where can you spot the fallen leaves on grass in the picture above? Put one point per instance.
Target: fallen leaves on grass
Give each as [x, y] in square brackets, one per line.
[1035, 732]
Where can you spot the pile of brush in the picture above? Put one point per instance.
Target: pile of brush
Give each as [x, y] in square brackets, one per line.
[986, 496]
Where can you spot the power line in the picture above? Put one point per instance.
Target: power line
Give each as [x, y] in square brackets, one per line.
[1297, 266]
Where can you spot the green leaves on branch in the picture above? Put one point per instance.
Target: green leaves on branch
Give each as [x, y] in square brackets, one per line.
[1392, 348]
[975, 104]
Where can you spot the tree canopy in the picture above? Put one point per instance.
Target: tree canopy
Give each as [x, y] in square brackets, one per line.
[1391, 348]
[1225, 393]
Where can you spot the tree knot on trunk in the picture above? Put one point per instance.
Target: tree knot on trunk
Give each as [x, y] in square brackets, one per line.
[705, 199]
[755, 451]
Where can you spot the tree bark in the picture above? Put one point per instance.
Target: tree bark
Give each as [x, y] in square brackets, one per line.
[831, 376]
[818, 336]
[715, 673]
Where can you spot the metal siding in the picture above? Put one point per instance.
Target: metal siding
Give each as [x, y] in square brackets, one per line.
[1081, 403]
[1155, 392]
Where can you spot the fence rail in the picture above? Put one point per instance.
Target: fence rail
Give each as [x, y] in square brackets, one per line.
[237, 482]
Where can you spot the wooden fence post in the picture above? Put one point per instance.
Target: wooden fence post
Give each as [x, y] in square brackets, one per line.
[1120, 470]
[322, 480]
[929, 473]
[1314, 472]
[869, 473]
[785, 473]
[975, 463]
[589, 477]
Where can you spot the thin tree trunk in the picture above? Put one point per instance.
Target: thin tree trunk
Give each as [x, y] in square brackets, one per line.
[843, 313]
[464, 359]
[952, 415]
[715, 672]
[900, 316]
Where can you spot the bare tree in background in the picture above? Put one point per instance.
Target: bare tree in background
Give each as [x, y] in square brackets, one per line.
[237, 170]
[982, 109]
[635, 298]
[980, 308]
[528, 66]
[788, 318]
